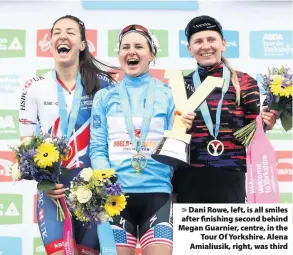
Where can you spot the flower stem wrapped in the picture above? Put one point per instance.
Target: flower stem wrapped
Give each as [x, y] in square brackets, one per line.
[39, 158]
[95, 196]
[278, 86]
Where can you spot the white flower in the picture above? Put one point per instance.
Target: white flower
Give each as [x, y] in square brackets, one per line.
[83, 195]
[15, 172]
[26, 140]
[86, 174]
[274, 76]
[103, 216]
[48, 140]
[55, 139]
[72, 196]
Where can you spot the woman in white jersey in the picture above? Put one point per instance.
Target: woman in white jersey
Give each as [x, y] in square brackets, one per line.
[50, 100]
[128, 121]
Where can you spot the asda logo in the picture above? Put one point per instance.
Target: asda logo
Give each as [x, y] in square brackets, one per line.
[12, 43]
[10, 209]
[271, 44]
[9, 124]
[39, 248]
[160, 38]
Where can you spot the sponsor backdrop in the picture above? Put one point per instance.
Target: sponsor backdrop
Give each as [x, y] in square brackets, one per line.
[258, 34]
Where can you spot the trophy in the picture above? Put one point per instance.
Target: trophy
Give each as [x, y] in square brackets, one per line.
[174, 149]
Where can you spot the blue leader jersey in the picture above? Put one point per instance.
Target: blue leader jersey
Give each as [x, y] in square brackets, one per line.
[110, 145]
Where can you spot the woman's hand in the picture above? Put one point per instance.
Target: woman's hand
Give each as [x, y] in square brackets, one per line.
[269, 117]
[56, 193]
[187, 118]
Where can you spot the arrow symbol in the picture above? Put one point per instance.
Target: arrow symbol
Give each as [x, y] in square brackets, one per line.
[184, 210]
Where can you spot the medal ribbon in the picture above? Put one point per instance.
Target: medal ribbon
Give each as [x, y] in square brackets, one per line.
[204, 106]
[147, 114]
[68, 122]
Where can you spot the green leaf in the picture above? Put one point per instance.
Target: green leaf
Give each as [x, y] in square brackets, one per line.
[47, 172]
[286, 120]
[46, 186]
[275, 106]
[66, 172]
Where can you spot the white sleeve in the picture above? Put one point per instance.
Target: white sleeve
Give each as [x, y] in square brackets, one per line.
[28, 110]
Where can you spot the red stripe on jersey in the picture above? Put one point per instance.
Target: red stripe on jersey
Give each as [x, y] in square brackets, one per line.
[56, 246]
[64, 87]
[55, 127]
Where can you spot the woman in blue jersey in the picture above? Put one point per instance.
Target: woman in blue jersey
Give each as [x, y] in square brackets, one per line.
[55, 99]
[128, 121]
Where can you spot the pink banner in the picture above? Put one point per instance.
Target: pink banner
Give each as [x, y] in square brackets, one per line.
[67, 230]
[262, 181]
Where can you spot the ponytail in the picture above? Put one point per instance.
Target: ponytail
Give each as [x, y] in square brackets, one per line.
[90, 69]
[234, 79]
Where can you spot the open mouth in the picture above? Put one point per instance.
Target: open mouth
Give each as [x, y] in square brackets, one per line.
[206, 55]
[132, 62]
[63, 49]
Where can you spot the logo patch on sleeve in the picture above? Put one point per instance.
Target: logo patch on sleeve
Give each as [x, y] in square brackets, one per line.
[97, 121]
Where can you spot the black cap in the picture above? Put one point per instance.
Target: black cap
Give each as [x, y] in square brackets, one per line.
[202, 23]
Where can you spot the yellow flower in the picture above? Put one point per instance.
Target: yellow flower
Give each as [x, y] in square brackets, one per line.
[277, 89]
[47, 155]
[115, 204]
[104, 174]
[86, 174]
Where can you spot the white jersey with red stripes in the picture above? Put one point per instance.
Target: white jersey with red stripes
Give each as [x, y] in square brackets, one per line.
[39, 105]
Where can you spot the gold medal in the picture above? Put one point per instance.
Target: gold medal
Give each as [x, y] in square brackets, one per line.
[139, 162]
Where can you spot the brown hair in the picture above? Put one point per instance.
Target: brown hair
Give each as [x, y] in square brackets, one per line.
[89, 67]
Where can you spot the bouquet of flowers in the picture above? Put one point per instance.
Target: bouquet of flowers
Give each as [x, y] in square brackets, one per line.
[39, 158]
[278, 86]
[94, 196]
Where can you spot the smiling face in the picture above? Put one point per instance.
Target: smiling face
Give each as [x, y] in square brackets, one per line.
[207, 47]
[66, 42]
[135, 54]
